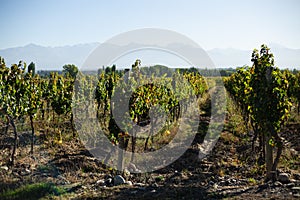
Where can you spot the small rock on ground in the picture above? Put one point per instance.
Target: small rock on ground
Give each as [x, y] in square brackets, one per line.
[119, 180]
[283, 178]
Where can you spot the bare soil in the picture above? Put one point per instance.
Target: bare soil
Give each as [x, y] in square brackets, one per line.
[231, 171]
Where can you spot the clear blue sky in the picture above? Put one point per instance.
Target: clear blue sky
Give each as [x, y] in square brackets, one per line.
[211, 23]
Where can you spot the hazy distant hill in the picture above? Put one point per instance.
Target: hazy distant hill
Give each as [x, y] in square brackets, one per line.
[50, 58]
[284, 57]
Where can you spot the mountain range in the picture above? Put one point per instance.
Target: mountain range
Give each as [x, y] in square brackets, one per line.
[53, 58]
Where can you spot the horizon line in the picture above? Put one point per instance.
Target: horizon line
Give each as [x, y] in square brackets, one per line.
[99, 43]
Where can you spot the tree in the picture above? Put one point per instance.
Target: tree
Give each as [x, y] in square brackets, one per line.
[13, 98]
[136, 65]
[113, 68]
[262, 93]
[107, 70]
[270, 104]
[33, 95]
[70, 70]
[31, 68]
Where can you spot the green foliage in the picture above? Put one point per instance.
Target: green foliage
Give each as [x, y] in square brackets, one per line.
[32, 191]
[13, 87]
[262, 91]
[269, 102]
[23, 94]
[146, 91]
[33, 93]
[60, 93]
[294, 87]
[136, 65]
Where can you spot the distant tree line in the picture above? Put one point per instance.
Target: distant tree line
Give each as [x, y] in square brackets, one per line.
[156, 70]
